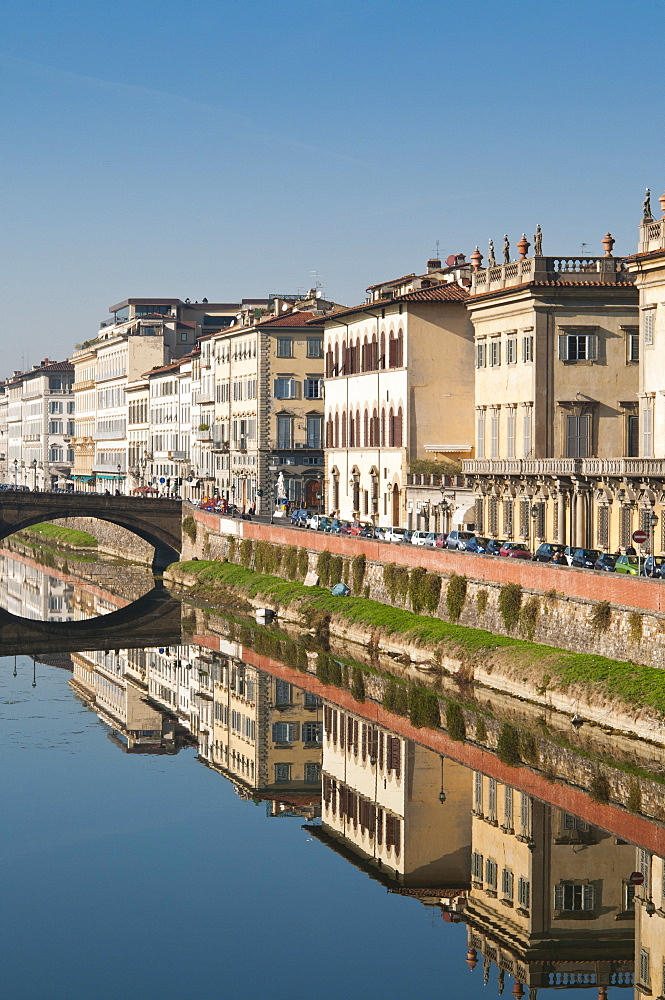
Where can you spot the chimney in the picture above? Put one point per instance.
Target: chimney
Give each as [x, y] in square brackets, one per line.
[44, 363]
[433, 264]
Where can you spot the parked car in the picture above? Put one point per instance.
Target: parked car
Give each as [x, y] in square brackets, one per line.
[441, 539]
[319, 522]
[606, 561]
[585, 558]
[395, 534]
[432, 539]
[515, 550]
[419, 537]
[360, 528]
[569, 552]
[408, 535]
[546, 551]
[458, 539]
[300, 518]
[627, 564]
[477, 545]
[494, 546]
[654, 566]
[334, 527]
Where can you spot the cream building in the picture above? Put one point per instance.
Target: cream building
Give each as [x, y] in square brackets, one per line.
[40, 426]
[396, 805]
[549, 902]
[399, 386]
[556, 364]
[257, 401]
[649, 904]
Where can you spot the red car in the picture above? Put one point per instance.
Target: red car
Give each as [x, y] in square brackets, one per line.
[515, 550]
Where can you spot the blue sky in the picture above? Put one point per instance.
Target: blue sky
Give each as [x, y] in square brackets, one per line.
[231, 149]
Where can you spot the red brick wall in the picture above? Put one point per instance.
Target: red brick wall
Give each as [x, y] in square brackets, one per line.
[635, 592]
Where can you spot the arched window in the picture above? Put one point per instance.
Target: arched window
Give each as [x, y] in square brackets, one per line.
[366, 429]
[345, 358]
[391, 428]
[374, 429]
[356, 364]
[352, 431]
[329, 433]
[398, 429]
[336, 358]
[344, 429]
[374, 354]
[382, 351]
[358, 429]
[337, 430]
[392, 351]
[383, 427]
[400, 349]
[365, 363]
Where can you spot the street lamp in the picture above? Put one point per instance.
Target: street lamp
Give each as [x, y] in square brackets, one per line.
[535, 511]
[442, 794]
[15, 473]
[118, 467]
[34, 475]
[653, 521]
[446, 504]
[272, 492]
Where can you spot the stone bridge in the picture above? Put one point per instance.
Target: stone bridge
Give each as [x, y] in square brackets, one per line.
[152, 620]
[158, 522]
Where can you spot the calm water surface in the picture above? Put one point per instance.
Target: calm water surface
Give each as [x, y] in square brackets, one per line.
[178, 822]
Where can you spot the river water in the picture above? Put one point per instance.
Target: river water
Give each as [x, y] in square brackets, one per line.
[205, 818]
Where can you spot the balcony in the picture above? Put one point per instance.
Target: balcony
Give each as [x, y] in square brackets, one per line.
[540, 269]
[618, 467]
[652, 236]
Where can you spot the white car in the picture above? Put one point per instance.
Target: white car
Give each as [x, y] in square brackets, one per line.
[419, 537]
[395, 534]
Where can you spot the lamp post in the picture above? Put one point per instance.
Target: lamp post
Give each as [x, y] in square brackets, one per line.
[535, 510]
[34, 475]
[653, 521]
[273, 468]
[442, 794]
[15, 473]
[446, 504]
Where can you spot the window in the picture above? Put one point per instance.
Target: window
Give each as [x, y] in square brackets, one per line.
[507, 792]
[527, 347]
[491, 873]
[573, 896]
[491, 806]
[285, 432]
[495, 353]
[647, 429]
[633, 346]
[54, 407]
[480, 443]
[481, 355]
[311, 732]
[313, 388]
[578, 433]
[523, 893]
[284, 347]
[283, 732]
[526, 432]
[478, 792]
[494, 431]
[314, 425]
[477, 866]
[649, 316]
[314, 347]
[578, 347]
[632, 435]
[55, 455]
[507, 884]
[312, 773]
[510, 432]
[286, 388]
[282, 772]
[511, 350]
[282, 692]
[55, 427]
[644, 967]
[525, 815]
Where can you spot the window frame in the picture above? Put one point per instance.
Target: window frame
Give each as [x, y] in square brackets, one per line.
[281, 345]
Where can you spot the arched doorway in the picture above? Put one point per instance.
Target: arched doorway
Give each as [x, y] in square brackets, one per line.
[312, 494]
[396, 506]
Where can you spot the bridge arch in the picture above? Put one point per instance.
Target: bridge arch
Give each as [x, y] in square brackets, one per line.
[158, 522]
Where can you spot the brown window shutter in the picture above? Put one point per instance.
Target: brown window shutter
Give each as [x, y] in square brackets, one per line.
[342, 730]
[380, 754]
[379, 826]
[364, 742]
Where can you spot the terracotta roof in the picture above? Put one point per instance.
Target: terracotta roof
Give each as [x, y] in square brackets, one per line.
[393, 281]
[293, 319]
[628, 280]
[647, 253]
[442, 292]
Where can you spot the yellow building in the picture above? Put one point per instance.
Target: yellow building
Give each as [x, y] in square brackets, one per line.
[556, 362]
[549, 902]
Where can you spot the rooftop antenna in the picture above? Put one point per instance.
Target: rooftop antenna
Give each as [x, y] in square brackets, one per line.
[317, 283]
[437, 251]
[584, 246]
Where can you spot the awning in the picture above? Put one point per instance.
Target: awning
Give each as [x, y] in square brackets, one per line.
[82, 479]
[464, 515]
[104, 476]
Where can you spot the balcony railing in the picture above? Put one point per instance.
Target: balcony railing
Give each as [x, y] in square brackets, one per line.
[518, 272]
[652, 236]
[565, 467]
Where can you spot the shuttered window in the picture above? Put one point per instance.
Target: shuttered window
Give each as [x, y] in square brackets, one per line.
[644, 967]
[508, 807]
[647, 430]
[491, 873]
[523, 893]
[510, 433]
[477, 866]
[578, 347]
[573, 896]
[507, 883]
[480, 436]
[578, 434]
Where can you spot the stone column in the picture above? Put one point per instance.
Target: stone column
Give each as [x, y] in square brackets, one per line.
[561, 518]
[580, 519]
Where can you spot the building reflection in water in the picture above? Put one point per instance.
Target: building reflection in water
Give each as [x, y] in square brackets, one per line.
[546, 895]
[27, 591]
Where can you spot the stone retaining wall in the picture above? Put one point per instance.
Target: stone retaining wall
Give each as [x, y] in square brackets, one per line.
[560, 609]
[113, 540]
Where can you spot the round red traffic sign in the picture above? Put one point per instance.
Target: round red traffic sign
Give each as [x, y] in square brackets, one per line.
[640, 537]
[636, 878]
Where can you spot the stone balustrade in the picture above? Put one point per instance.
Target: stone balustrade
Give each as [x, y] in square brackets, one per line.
[541, 269]
[565, 467]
